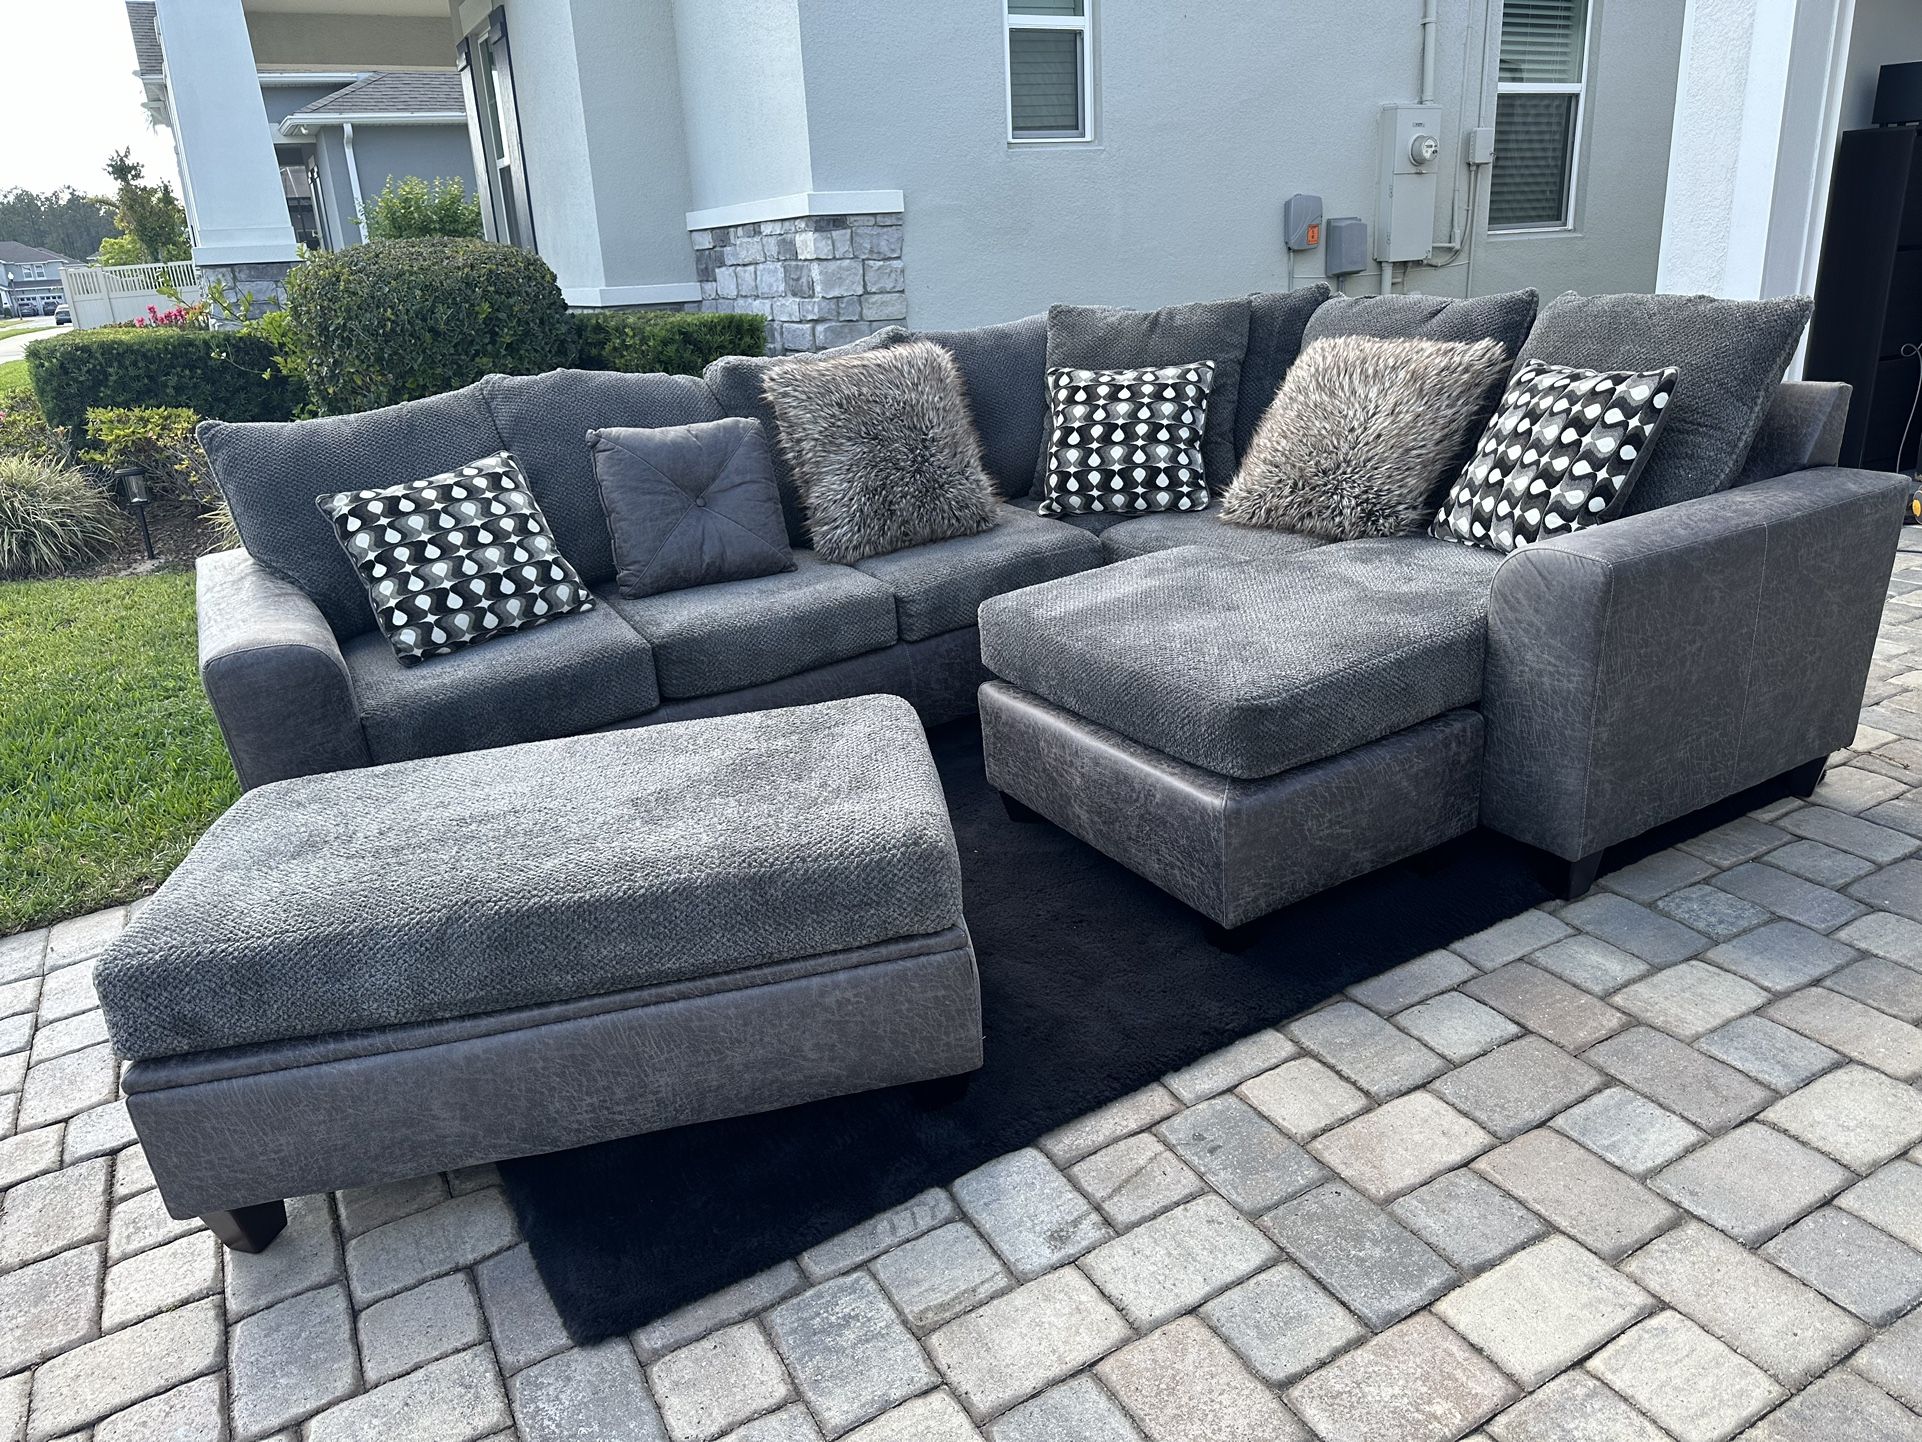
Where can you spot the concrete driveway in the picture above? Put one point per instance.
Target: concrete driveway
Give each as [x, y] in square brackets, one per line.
[14, 346]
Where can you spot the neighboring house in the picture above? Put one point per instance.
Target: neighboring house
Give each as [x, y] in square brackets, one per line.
[342, 116]
[837, 165]
[30, 278]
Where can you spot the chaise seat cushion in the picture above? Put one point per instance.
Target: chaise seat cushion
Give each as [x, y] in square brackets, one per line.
[469, 884]
[938, 587]
[1093, 522]
[1144, 535]
[1251, 668]
[573, 674]
[709, 639]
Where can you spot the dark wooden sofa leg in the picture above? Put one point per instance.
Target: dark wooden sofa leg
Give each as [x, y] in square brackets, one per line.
[1803, 780]
[1235, 939]
[941, 1091]
[1574, 878]
[248, 1229]
[1020, 810]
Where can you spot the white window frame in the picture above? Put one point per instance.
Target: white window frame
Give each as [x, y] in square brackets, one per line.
[1578, 89]
[1084, 23]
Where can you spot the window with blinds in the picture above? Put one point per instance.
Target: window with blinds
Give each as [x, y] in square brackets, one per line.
[1048, 69]
[1541, 79]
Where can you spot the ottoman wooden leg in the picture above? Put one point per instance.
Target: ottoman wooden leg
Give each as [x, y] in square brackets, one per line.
[248, 1229]
[1235, 939]
[941, 1091]
[1803, 780]
[1020, 810]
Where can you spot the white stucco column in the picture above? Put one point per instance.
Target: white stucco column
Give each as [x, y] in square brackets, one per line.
[1757, 108]
[220, 128]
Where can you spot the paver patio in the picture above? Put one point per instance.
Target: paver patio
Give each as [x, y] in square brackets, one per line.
[1644, 1166]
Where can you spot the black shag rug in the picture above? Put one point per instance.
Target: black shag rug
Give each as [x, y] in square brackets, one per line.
[1093, 984]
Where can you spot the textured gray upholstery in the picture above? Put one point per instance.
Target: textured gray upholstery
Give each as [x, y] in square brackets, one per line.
[1731, 355]
[1004, 372]
[1103, 337]
[569, 675]
[1802, 427]
[1505, 317]
[1094, 523]
[743, 633]
[1144, 535]
[1254, 667]
[544, 421]
[274, 673]
[1647, 667]
[257, 1123]
[1235, 850]
[271, 471]
[735, 383]
[938, 587]
[1275, 323]
[469, 884]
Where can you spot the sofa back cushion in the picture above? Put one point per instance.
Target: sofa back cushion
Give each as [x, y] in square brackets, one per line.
[271, 472]
[544, 421]
[735, 381]
[1802, 427]
[1109, 338]
[1505, 317]
[1003, 370]
[1730, 353]
[1275, 323]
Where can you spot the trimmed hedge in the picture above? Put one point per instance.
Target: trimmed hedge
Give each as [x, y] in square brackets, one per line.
[227, 375]
[395, 320]
[677, 342]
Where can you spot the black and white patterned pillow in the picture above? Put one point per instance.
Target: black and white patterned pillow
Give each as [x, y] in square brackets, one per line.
[1561, 453]
[456, 558]
[1127, 442]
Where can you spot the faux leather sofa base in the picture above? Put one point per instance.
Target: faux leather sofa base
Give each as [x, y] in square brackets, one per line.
[1235, 850]
[234, 1128]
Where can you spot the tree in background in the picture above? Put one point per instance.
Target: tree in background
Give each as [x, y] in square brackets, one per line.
[63, 221]
[152, 225]
[412, 209]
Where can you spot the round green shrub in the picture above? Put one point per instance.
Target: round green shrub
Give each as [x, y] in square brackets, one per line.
[51, 520]
[395, 320]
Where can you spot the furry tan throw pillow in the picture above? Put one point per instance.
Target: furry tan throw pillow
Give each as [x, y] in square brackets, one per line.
[1362, 435]
[884, 452]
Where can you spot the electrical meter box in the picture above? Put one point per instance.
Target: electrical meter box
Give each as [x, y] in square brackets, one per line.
[1410, 164]
[1345, 245]
[1301, 221]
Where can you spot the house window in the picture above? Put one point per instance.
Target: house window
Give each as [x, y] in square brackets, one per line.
[1538, 114]
[1050, 69]
[486, 65]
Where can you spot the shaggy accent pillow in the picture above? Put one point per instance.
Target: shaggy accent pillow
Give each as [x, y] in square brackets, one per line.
[883, 450]
[456, 558]
[1362, 434]
[1563, 452]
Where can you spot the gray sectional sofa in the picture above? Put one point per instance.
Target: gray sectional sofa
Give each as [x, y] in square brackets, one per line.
[1572, 695]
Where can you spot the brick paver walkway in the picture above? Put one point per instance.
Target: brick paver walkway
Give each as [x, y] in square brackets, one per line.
[1641, 1167]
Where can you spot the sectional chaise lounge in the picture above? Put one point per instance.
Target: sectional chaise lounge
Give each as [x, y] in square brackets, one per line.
[1386, 693]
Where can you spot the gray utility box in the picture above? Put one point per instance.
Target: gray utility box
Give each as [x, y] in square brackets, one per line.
[1345, 248]
[1410, 165]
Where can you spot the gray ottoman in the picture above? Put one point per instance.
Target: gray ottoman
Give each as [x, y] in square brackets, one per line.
[375, 974]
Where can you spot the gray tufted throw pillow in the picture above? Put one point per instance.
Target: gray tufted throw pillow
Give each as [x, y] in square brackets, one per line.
[690, 505]
[883, 450]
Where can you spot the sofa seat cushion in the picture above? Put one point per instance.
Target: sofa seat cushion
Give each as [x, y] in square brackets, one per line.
[544, 421]
[938, 587]
[573, 674]
[1094, 524]
[709, 639]
[467, 885]
[1144, 535]
[1251, 668]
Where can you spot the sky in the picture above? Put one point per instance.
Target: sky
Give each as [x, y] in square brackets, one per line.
[74, 101]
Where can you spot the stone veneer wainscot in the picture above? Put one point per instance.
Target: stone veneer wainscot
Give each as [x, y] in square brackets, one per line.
[821, 280]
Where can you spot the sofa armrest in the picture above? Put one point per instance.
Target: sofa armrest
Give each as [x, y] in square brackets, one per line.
[1648, 667]
[274, 673]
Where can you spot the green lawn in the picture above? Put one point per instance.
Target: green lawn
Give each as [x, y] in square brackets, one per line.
[13, 375]
[110, 762]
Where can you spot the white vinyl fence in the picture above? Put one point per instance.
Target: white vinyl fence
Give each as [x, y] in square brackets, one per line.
[102, 294]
